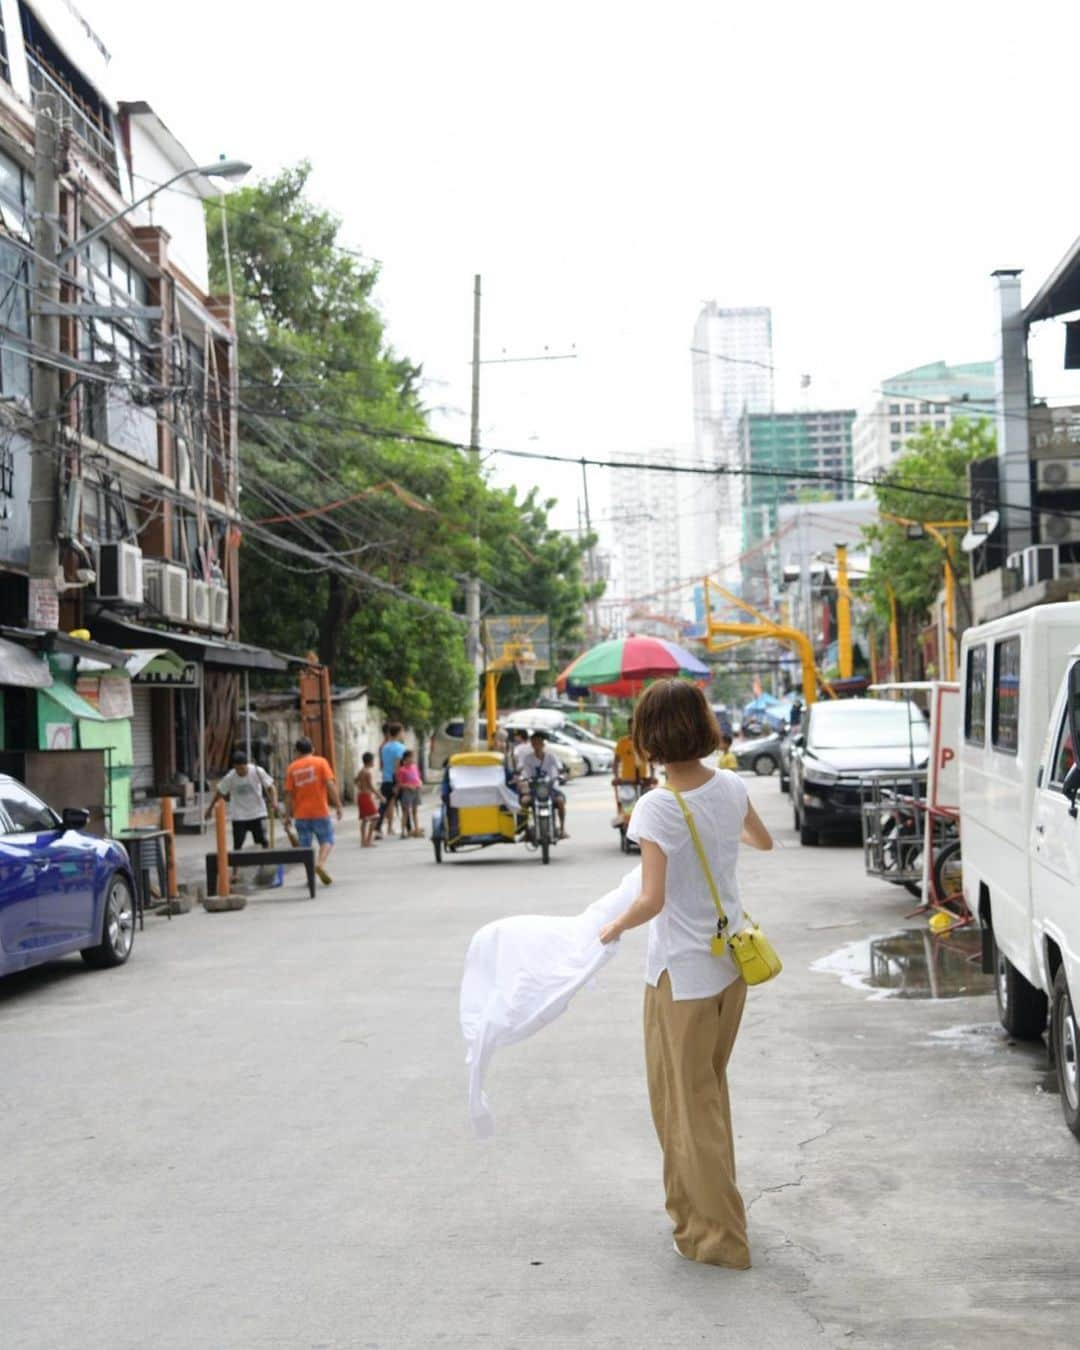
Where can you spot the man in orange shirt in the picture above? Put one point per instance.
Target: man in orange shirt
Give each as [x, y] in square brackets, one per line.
[309, 792]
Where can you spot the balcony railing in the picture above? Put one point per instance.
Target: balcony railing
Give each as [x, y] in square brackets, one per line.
[92, 133]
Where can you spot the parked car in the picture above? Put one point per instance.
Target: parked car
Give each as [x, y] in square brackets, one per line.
[587, 737]
[597, 757]
[762, 754]
[61, 890]
[450, 740]
[1018, 823]
[839, 745]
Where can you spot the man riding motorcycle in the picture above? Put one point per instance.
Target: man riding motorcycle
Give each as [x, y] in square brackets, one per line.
[534, 760]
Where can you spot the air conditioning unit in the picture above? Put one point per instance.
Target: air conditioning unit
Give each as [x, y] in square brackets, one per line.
[1057, 475]
[119, 573]
[1058, 529]
[167, 589]
[199, 603]
[1038, 563]
[219, 607]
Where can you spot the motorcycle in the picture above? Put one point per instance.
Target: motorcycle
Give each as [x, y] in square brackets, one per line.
[627, 795]
[540, 829]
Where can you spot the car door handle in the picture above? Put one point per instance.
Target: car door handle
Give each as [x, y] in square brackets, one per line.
[1040, 829]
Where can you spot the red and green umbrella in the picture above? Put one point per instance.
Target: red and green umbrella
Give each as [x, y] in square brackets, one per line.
[621, 666]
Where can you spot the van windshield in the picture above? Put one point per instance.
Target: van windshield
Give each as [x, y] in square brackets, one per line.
[884, 726]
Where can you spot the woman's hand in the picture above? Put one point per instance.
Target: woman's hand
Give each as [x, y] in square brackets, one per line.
[610, 932]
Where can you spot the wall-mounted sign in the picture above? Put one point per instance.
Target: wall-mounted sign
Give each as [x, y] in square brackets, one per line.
[169, 676]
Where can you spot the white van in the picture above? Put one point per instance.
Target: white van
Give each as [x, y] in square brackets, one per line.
[1021, 849]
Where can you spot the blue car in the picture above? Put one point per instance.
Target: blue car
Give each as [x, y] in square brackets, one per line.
[61, 890]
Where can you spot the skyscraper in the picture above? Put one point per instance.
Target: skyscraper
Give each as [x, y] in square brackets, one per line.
[645, 535]
[732, 368]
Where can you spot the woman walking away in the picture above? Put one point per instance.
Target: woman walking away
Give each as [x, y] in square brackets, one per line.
[693, 994]
[408, 781]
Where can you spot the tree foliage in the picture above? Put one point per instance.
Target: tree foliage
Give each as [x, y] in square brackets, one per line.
[359, 530]
[928, 482]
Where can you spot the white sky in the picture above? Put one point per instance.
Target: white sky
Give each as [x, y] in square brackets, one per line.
[860, 168]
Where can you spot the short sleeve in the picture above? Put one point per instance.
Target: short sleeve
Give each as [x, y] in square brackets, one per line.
[742, 795]
[289, 779]
[264, 777]
[657, 818]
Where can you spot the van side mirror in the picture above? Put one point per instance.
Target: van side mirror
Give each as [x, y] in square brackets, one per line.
[800, 741]
[75, 817]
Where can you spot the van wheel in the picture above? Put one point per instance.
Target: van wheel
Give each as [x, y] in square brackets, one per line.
[1021, 1007]
[1066, 1038]
[764, 766]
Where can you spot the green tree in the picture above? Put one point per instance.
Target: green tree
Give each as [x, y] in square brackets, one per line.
[360, 526]
[928, 482]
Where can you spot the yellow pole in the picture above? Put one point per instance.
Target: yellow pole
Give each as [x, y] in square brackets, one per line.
[843, 613]
[894, 635]
[950, 618]
[491, 704]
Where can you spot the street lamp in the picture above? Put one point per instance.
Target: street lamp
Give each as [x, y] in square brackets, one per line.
[222, 168]
[933, 529]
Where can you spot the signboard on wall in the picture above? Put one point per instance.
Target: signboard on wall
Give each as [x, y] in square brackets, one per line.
[186, 677]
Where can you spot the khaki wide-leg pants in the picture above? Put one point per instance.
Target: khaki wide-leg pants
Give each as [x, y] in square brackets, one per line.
[688, 1043]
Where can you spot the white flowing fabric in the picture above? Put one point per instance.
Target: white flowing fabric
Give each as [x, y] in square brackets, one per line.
[521, 973]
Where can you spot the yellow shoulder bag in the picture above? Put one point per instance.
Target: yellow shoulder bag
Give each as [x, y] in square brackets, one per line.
[754, 955]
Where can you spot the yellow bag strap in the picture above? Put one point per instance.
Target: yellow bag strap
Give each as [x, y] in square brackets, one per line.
[699, 849]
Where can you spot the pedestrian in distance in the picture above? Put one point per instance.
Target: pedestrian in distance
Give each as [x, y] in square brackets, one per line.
[250, 793]
[726, 758]
[310, 791]
[367, 800]
[694, 995]
[409, 783]
[390, 752]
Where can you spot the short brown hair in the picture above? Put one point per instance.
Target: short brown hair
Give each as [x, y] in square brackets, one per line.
[673, 722]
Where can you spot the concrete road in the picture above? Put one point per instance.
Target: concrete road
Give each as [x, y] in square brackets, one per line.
[255, 1135]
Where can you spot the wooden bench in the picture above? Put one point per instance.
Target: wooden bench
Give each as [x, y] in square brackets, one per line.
[260, 857]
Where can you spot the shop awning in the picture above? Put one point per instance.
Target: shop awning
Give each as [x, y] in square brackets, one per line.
[154, 661]
[22, 668]
[44, 640]
[216, 653]
[73, 703]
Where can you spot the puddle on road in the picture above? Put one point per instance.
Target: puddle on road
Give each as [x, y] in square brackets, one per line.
[913, 963]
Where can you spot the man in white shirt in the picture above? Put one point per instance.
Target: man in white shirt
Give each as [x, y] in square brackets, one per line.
[250, 792]
[534, 759]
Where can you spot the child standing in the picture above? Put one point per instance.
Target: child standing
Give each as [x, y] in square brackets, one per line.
[726, 759]
[408, 781]
[367, 801]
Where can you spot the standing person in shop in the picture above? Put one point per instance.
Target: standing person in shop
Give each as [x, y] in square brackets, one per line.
[390, 753]
[251, 794]
[310, 791]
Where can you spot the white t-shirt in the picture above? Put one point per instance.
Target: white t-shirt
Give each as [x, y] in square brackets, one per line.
[245, 792]
[681, 934]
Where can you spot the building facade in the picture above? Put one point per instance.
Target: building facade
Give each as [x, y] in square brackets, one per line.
[145, 444]
[732, 370]
[644, 551]
[928, 396]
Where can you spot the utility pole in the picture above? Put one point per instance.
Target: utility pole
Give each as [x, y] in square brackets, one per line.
[44, 602]
[590, 559]
[472, 584]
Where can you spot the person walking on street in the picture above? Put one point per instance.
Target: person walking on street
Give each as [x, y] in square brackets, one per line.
[367, 800]
[408, 780]
[250, 792]
[390, 752]
[694, 994]
[310, 791]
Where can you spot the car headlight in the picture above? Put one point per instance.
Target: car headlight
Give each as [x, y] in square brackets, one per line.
[543, 790]
[817, 774]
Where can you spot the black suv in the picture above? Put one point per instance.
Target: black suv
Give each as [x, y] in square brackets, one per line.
[839, 744]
